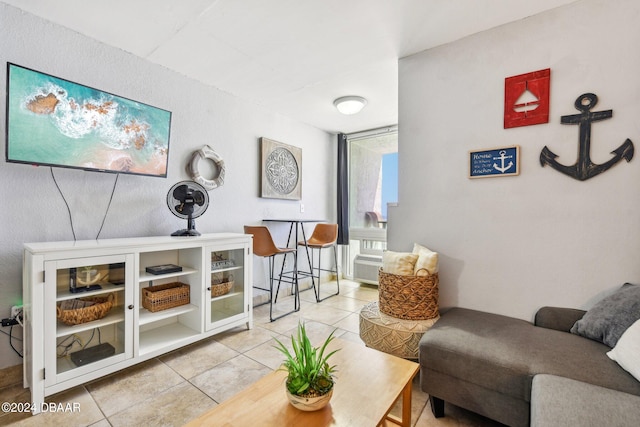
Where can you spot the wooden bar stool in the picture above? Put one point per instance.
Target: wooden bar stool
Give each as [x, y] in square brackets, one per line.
[324, 236]
[263, 246]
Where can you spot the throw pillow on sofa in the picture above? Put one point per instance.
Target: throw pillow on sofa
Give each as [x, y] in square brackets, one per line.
[627, 352]
[608, 319]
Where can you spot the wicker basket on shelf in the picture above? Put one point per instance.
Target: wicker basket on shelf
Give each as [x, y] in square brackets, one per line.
[162, 297]
[408, 297]
[222, 286]
[75, 316]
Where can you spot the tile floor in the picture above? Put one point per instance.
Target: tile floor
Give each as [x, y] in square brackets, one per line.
[177, 387]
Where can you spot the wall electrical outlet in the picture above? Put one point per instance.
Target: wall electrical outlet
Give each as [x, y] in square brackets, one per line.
[15, 310]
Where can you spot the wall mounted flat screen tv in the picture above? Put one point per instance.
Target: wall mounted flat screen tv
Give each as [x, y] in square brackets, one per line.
[56, 122]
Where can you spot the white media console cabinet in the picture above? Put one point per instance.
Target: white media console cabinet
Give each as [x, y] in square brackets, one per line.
[58, 356]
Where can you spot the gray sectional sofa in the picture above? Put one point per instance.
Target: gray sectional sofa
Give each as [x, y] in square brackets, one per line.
[522, 374]
[563, 402]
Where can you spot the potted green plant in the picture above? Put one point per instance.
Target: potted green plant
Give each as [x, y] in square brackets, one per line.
[310, 380]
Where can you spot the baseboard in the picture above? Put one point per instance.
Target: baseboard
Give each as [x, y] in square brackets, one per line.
[11, 376]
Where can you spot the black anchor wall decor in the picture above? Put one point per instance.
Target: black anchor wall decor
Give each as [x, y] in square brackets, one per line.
[584, 168]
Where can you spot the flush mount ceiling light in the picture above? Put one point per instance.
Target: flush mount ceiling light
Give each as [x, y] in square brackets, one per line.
[350, 104]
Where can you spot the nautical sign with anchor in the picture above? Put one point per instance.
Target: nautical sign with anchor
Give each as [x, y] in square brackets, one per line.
[584, 168]
[502, 161]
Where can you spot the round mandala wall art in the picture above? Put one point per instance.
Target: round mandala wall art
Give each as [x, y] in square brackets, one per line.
[281, 170]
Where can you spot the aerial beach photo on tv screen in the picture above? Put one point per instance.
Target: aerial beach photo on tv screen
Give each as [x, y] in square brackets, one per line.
[55, 122]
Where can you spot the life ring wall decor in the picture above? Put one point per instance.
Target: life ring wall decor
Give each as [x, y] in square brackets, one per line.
[206, 152]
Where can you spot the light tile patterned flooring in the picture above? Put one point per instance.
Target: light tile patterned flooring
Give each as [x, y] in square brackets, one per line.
[177, 387]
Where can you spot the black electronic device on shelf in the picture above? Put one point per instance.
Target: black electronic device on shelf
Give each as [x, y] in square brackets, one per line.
[187, 200]
[163, 269]
[92, 354]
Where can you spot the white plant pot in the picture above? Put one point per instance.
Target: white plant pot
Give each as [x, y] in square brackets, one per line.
[309, 403]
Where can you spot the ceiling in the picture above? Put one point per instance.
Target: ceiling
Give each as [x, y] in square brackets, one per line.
[291, 56]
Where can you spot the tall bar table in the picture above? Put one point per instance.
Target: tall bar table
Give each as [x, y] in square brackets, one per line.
[293, 229]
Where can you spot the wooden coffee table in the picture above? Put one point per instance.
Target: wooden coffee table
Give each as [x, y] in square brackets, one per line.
[368, 384]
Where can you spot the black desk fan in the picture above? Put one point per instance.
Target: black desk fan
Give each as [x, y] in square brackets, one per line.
[187, 200]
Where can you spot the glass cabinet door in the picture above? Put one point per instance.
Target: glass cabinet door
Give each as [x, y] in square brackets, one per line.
[226, 286]
[88, 314]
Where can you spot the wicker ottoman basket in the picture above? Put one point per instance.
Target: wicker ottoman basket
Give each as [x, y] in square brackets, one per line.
[406, 308]
[392, 335]
[408, 297]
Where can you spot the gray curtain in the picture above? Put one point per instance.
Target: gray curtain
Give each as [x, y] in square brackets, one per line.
[343, 190]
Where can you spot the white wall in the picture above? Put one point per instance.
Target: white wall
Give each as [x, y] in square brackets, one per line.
[513, 244]
[34, 211]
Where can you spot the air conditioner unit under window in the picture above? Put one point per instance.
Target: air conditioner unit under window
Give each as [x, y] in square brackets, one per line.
[365, 268]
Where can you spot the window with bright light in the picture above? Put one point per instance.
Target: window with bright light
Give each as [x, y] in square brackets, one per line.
[373, 176]
[373, 186]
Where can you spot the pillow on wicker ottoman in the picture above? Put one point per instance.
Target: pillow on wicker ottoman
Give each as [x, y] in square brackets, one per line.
[401, 263]
[427, 262]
